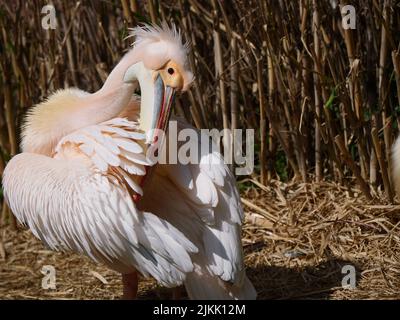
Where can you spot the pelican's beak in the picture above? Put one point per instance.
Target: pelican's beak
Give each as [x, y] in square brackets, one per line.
[157, 97]
[168, 80]
[163, 100]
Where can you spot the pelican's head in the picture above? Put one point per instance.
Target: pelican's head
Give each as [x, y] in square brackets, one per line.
[161, 69]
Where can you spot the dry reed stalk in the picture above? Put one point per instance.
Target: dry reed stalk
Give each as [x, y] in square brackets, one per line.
[2, 166]
[126, 9]
[234, 79]
[273, 114]
[271, 101]
[396, 65]
[382, 85]
[356, 171]
[134, 6]
[70, 54]
[8, 107]
[355, 96]
[152, 11]
[263, 122]
[317, 94]
[194, 111]
[200, 110]
[220, 75]
[382, 164]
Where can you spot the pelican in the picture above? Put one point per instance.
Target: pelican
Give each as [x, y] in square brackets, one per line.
[83, 181]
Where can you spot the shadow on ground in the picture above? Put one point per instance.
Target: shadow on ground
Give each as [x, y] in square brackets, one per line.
[314, 283]
[276, 283]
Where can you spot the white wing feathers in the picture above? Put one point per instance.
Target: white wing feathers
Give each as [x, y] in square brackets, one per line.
[81, 200]
[112, 144]
[221, 238]
[211, 195]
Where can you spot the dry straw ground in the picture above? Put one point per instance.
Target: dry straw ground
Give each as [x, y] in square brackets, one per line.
[297, 238]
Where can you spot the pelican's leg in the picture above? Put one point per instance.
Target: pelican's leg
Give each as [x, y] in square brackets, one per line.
[130, 283]
[177, 293]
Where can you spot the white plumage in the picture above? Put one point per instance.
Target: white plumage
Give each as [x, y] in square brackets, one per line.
[86, 205]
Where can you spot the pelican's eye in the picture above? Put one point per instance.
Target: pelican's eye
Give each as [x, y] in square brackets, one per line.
[171, 75]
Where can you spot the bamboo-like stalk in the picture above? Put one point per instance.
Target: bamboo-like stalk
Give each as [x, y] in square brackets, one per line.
[2, 212]
[2, 164]
[382, 88]
[354, 88]
[349, 161]
[126, 9]
[263, 122]
[71, 55]
[234, 96]
[207, 18]
[133, 5]
[396, 66]
[222, 88]
[382, 164]
[152, 11]
[272, 113]
[8, 106]
[194, 111]
[317, 94]
[271, 101]
[219, 68]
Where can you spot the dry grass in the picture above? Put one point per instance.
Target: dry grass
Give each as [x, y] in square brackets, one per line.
[297, 252]
[77, 277]
[320, 228]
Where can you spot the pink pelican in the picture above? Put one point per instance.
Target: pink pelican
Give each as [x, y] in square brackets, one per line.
[79, 183]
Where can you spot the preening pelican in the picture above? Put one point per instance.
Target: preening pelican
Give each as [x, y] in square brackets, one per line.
[82, 182]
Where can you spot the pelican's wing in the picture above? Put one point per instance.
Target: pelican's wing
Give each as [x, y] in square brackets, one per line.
[202, 201]
[81, 200]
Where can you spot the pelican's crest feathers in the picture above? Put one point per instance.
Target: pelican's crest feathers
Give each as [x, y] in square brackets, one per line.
[156, 45]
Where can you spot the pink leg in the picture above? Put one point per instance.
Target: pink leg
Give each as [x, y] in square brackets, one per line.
[177, 293]
[130, 283]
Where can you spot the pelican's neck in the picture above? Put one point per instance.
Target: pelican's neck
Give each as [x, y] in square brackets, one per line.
[69, 110]
[114, 95]
[147, 91]
[112, 98]
[115, 78]
[104, 105]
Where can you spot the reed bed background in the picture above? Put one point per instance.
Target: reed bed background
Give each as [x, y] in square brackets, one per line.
[324, 101]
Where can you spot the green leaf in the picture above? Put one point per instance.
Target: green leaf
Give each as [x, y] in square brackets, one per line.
[331, 99]
[244, 186]
[281, 165]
